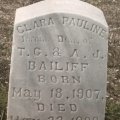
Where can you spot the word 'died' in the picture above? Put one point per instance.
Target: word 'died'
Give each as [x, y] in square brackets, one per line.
[60, 107]
[56, 66]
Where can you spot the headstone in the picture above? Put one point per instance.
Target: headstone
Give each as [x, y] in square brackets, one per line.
[59, 62]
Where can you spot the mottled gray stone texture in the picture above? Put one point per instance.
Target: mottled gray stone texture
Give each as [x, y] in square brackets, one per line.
[59, 62]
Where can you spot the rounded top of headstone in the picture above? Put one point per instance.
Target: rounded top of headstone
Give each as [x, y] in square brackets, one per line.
[77, 7]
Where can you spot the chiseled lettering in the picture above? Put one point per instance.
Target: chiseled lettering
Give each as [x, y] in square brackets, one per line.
[51, 65]
[61, 107]
[43, 66]
[27, 27]
[89, 93]
[26, 93]
[95, 118]
[50, 21]
[96, 55]
[67, 66]
[95, 28]
[65, 79]
[42, 22]
[51, 107]
[16, 92]
[80, 22]
[85, 118]
[51, 118]
[86, 25]
[83, 66]
[56, 52]
[97, 93]
[59, 118]
[21, 50]
[65, 20]
[73, 107]
[76, 22]
[75, 53]
[31, 65]
[61, 38]
[21, 118]
[55, 118]
[102, 33]
[23, 38]
[35, 24]
[74, 66]
[57, 66]
[37, 94]
[53, 79]
[58, 79]
[32, 38]
[72, 21]
[41, 107]
[41, 78]
[20, 29]
[37, 51]
[70, 79]
[76, 79]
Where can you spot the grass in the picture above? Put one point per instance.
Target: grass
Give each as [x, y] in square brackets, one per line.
[3, 103]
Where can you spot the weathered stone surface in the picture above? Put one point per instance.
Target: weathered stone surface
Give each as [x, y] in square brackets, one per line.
[59, 62]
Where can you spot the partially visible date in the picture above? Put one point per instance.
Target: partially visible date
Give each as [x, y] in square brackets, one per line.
[55, 118]
[74, 118]
[77, 93]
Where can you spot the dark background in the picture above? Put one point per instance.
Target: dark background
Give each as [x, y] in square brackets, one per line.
[111, 9]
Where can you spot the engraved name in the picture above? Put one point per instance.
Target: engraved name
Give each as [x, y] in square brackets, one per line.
[81, 23]
[38, 23]
[65, 20]
[56, 66]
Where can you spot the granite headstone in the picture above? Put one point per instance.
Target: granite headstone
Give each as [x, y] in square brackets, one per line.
[59, 62]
